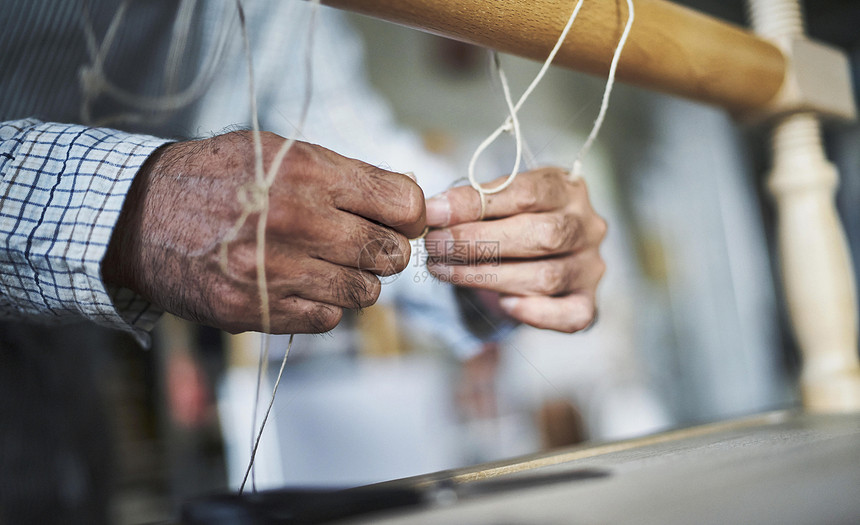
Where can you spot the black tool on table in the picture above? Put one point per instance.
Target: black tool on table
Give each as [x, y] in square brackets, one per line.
[313, 506]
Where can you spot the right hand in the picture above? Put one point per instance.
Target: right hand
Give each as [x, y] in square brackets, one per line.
[546, 264]
[334, 224]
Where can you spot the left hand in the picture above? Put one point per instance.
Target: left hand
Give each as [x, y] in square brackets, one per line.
[334, 225]
[538, 247]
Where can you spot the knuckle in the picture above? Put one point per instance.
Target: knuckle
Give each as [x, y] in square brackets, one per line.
[602, 228]
[305, 161]
[401, 259]
[553, 177]
[550, 279]
[382, 251]
[353, 290]
[601, 267]
[587, 315]
[400, 198]
[373, 289]
[397, 254]
[547, 189]
[527, 198]
[547, 183]
[322, 317]
[554, 234]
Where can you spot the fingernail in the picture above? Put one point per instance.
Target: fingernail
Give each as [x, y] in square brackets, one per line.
[438, 242]
[438, 211]
[509, 303]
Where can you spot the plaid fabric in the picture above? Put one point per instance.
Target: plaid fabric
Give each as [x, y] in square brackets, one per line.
[62, 190]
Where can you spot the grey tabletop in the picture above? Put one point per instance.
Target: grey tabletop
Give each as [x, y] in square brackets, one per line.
[777, 468]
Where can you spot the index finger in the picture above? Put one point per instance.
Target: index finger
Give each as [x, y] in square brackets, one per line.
[533, 191]
[389, 198]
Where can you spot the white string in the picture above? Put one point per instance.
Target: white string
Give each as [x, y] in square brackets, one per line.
[264, 183]
[262, 371]
[604, 104]
[512, 117]
[511, 123]
[94, 81]
[178, 42]
[258, 199]
[266, 417]
[254, 198]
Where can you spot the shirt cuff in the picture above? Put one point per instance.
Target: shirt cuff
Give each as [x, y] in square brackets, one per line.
[64, 187]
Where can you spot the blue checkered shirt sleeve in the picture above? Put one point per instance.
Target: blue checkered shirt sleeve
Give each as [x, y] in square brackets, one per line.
[61, 192]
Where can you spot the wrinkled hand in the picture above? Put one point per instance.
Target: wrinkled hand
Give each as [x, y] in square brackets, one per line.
[548, 262]
[334, 224]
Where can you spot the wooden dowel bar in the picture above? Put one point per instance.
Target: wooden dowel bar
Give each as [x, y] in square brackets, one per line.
[671, 48]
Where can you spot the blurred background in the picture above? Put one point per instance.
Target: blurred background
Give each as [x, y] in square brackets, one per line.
[691, 324]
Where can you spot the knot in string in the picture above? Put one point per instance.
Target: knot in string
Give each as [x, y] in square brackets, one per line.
[253, 197]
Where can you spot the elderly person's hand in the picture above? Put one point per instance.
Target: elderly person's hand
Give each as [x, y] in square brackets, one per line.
[547, 265]
[333, 225]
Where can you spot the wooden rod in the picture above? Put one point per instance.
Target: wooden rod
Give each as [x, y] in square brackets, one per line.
[561, 456]
[671, 48]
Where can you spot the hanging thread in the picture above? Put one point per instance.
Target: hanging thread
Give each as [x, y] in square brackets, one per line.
[94, 81]
[604, 103]
[256, 443]
[512, 125]
[254, 198]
